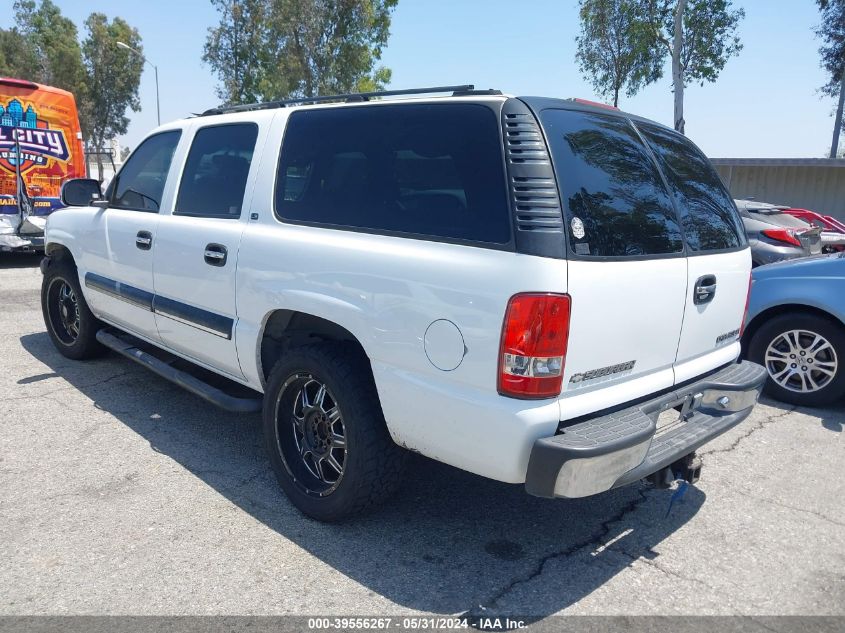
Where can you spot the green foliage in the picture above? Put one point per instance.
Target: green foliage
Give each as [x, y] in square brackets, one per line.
[274, 49]
[237, 49]
[832, 33]
[54, 40]
[709, 35]
[18, 56]
[44, 47]
[616, 49]
[113, 76]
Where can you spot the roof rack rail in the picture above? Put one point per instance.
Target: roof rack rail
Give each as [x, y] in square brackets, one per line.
[349, 98]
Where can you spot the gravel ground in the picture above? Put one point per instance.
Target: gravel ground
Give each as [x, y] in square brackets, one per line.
[122, 494]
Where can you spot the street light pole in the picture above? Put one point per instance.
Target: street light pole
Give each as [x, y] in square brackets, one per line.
[155, 68]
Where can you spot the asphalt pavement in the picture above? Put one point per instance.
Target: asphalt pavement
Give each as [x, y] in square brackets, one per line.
[122, 494]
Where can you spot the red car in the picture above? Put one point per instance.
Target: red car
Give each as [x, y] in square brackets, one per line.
[827, 223]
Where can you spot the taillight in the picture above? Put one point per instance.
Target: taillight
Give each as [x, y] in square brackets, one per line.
[782, 235]
[532, 354]
[745, 313]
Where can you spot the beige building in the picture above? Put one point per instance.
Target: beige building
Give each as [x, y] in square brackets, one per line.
[817, 184]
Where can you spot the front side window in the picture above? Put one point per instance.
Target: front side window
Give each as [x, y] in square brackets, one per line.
[429, 170]
[616, 202]
[214, 179]
[708, 214]
[140, 184]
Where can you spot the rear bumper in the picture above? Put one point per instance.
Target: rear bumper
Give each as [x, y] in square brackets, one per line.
[622, 447]
[10, 242]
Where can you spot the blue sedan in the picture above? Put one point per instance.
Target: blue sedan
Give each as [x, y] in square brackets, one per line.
[796, 328]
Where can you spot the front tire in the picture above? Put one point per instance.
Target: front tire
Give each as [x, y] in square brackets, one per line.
[325, 432]
[804, 355]
[70, 323]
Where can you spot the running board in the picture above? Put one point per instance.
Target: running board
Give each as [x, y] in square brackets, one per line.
[129, 347]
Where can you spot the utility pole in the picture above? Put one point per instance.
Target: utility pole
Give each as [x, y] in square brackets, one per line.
[155, 68]
[837, 126]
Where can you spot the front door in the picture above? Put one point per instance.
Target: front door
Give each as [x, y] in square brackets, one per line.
[117, 263]
[197, 246]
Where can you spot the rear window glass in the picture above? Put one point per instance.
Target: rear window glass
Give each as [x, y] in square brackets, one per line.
[430, 170]
[708, 214]
[616, 202]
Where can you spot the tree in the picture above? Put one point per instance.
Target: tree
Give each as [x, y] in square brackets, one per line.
[699, 36]
[43, 46]
[274, 49]
[615, 47]
[113, 75]
[237, 49]
[54, 39]
[832, 33]
[18, 57]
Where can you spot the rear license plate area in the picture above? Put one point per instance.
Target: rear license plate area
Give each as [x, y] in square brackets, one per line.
[667, 421]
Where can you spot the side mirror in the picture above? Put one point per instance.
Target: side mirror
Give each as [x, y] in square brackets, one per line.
[80, 192]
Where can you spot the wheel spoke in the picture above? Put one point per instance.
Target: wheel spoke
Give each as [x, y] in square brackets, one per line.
[778, 376]
[330, 458]
[828, 369]
[318, 464]
[320, 396]
[338, 441]
[817, 345]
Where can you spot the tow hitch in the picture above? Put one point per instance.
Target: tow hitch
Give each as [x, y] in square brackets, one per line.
[688, 469]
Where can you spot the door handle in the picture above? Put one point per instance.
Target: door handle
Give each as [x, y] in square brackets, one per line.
[215, 255]
[705, 290]
[144, 240]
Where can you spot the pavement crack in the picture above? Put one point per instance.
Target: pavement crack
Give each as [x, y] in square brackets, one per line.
[787, 506]
[769, 419]
[595, 540]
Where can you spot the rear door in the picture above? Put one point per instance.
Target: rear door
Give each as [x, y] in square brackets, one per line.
[719, 262]
[196, 253]
[627, 266]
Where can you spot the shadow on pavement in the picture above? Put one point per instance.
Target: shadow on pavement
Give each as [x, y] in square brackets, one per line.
[450, 542]
[20, 260]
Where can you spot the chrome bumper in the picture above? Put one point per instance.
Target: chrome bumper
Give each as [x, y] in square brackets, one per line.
[620, 447]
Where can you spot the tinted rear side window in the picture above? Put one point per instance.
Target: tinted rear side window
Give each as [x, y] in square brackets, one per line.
[430, 170]
[707, 212]
[214, 179]
[616, 202]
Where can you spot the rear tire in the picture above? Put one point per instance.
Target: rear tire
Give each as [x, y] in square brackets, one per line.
[325, 432]
[804, 355]
[70, 323]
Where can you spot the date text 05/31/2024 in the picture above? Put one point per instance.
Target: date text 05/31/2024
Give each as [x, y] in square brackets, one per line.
[416, 623]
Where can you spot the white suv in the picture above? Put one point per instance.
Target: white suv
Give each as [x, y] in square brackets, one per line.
[518, 287]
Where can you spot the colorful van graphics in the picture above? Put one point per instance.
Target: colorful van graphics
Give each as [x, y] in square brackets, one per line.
[41, 140]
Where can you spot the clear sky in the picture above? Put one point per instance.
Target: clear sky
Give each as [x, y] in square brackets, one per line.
[764, 104]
